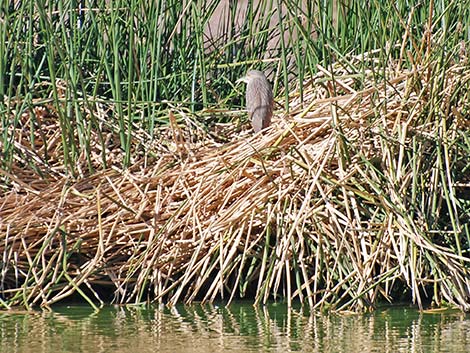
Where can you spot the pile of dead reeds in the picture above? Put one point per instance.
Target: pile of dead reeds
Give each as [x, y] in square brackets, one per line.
[360, 194]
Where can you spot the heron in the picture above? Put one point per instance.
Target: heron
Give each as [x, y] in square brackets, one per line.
[259, 99]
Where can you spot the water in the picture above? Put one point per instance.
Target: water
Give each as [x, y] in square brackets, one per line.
[239, 328]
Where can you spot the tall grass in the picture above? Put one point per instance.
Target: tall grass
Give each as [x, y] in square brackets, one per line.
[137, 57]
[133, 57]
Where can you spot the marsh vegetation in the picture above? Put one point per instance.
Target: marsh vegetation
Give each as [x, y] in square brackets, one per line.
[129, 174]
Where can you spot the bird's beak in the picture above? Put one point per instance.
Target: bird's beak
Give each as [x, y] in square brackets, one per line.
[243, 79]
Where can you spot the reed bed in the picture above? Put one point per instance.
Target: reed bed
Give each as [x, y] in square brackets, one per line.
[359, 195]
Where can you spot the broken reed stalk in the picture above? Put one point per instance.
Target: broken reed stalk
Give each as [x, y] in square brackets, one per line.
[359, 195]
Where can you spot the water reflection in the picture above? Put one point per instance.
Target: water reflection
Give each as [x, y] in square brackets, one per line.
[239, 328]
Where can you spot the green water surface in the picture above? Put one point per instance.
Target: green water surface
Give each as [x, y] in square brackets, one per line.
[238, 328]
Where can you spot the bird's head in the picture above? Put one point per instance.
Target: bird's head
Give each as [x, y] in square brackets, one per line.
[251, 75]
